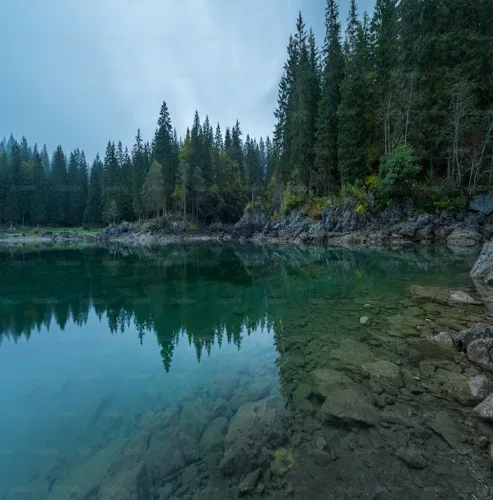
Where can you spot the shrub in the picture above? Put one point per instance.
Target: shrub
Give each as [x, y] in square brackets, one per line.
[355, 196]
[315, 207]
[293, 199]
[398, 170]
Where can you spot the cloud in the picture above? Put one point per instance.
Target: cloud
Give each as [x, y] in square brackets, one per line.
[82, 73]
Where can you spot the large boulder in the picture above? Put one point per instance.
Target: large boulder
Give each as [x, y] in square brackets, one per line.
[483, 268]
[255, 431]
[250, 224]
[482, 203]
[463, 338]
[413, 225]
[479, 352]
[464, 237]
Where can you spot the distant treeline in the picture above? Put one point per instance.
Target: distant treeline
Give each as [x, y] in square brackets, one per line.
[402, 105]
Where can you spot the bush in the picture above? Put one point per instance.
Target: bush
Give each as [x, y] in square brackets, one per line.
[355, 196]
[293, 199]
[315, 207]
[398, 170]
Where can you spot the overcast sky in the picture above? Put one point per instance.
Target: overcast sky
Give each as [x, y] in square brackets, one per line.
[82, 72]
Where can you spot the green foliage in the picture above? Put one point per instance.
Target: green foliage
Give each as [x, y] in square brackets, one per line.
[429, 196]
[398, 170]
[315, 207]
[293, 199]
[355, 196]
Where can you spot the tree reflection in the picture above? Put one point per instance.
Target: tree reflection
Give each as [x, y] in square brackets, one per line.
[206, 293]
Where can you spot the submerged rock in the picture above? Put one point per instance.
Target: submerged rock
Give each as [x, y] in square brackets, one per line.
[282, 463]
[250, 481]
[303, 391]
[349, 407]
[412, 457]
[365, 320]
[442, 338]
[256, 428]
[325, 381]
[460, 297]
[445, 426]
[212, 439]
[386, 374]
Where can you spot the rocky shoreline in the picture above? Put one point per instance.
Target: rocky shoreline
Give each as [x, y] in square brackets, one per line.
[397, 224]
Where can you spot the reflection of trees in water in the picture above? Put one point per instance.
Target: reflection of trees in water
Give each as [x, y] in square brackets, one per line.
[208, 293]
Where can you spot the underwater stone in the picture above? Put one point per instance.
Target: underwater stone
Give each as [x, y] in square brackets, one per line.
[365, 321]
[348, 407]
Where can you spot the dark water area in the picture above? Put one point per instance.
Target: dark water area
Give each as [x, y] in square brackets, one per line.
[218, 371]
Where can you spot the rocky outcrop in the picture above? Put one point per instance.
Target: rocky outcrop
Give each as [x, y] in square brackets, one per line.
[250, 224]
[483, 268]
[343, 225]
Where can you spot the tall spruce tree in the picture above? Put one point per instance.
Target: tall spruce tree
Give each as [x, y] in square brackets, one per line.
[327, 135]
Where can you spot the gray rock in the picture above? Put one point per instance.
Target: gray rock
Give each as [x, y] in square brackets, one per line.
[442, 338]
[479, 331]
[485, 409]
[250, 481]
[303, 391]
[445, 426]
[412, 457]
[256, 428]
[365, 321]
[478, 352]
[410, 228]
[461, 297]
[483, 268]
[212, 439]
[325, 381]
[250, 224]
[464, 237]
[386, 374]
[189, 474]
[482, 203]
[349, 408]
[479, 386]
[282, 463]
[189, 447]
[258, 389]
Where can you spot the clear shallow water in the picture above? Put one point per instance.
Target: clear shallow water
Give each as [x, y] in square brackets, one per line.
[98, 344]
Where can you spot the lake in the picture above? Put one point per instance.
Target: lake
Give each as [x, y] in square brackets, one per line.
[219, 370]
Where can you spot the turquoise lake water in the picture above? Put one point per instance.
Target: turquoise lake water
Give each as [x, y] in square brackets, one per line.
[97, 342]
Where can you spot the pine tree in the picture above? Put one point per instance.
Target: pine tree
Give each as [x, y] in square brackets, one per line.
[93, 214]
[327, 135]
[139, 172]
[355, 99]
[73, 188]
[14, 184]
[164, 151]
[153, 190]
[39, 200]
[58, 187]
